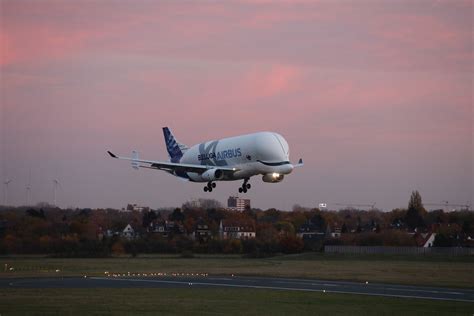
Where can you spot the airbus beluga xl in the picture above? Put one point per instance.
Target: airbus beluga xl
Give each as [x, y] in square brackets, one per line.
[227, 159]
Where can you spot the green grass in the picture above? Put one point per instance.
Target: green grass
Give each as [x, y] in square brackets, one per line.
[213, 302]
[435, 271]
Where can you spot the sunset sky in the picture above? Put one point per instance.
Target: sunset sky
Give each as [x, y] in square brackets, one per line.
[375, 96]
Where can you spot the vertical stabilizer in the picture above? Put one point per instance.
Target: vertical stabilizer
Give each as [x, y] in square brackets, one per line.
[175, 149]
[135, 158]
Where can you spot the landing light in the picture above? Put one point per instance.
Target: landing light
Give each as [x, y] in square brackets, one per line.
[275, 175]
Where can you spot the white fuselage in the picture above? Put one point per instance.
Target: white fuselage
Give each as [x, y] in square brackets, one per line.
[253, 154]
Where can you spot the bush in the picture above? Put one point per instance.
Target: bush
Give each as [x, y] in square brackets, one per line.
[291, 244]
[117, 248]
[233, 246]
[187, 254]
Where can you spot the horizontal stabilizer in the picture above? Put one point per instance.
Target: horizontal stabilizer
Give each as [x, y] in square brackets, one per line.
[135, 163]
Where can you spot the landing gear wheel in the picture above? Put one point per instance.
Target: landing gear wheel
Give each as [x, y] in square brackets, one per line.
[245, 186]
[206, 189]
[210, 189]
[213, 184]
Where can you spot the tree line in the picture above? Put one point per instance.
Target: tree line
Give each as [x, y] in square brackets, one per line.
[97, 232]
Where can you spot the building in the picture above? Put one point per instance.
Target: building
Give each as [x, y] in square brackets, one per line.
[194, 203]
[136, 208]
[128, 232]
[313, 236]
[430, 240]
[165, 228]
[311, 231]
[158, 227]
[236, 230]
[424, 239]
[235, 203]
[202, 233]
[336, 232]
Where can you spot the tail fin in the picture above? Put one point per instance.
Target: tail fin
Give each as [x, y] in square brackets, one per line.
[174, 148]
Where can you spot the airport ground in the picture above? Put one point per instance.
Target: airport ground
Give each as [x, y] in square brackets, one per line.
[409, 270]
[439, 271]
[215, 301]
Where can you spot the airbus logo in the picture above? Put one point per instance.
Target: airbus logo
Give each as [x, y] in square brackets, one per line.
[221, 155]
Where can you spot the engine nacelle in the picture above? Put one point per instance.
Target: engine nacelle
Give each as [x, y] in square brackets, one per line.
[272, 177]
[213, 174]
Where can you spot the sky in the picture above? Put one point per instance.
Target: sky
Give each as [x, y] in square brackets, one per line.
[375, 96]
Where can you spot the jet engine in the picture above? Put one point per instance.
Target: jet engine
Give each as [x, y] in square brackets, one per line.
[272, 177]
[213, 174]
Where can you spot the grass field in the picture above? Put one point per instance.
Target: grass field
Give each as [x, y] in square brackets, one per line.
[213, 302]
[416, 270]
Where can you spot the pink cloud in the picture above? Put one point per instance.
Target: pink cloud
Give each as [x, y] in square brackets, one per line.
[427, 41]
[271, 81]
[215, 31]
[6, 53]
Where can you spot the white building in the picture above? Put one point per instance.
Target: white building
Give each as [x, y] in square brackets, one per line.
[235, 203]
[135, 208]
[236, 231]
[128, 232]
[430, 240]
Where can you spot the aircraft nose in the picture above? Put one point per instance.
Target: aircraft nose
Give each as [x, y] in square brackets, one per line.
[286, 169]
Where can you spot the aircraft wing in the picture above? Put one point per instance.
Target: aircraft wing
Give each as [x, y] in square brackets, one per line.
[168, 166]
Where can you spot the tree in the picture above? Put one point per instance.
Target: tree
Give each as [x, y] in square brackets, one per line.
[117, 248]
[377, 228]
[466, 227]
[148, 217]
[344, 228]
[34, 213]
[177, 215]
[208, 204]
[271, 215]
[319, 221]
[415, 212]
[189, 224]
[359, 225]
[442, 240]
[285, 228]
[291, 244]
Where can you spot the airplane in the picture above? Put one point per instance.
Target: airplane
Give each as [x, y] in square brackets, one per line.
[227, 159]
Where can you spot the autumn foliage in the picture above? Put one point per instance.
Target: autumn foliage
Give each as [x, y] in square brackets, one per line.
[99, 232]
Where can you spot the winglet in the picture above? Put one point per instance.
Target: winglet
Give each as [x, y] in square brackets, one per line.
[111, 154]
[300, 163]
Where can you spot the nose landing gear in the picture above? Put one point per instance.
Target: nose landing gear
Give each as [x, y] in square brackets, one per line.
[245, 186]
[210, 185]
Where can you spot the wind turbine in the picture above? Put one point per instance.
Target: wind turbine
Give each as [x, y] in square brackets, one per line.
[28, 189]
[6, 182]
[56, 185]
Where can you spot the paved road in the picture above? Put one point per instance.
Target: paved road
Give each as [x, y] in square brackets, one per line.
[153, 281]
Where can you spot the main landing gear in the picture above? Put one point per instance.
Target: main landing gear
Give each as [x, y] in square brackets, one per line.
[210, 185]
[245, 186]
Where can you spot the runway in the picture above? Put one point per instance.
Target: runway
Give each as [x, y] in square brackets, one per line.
[271, 283]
